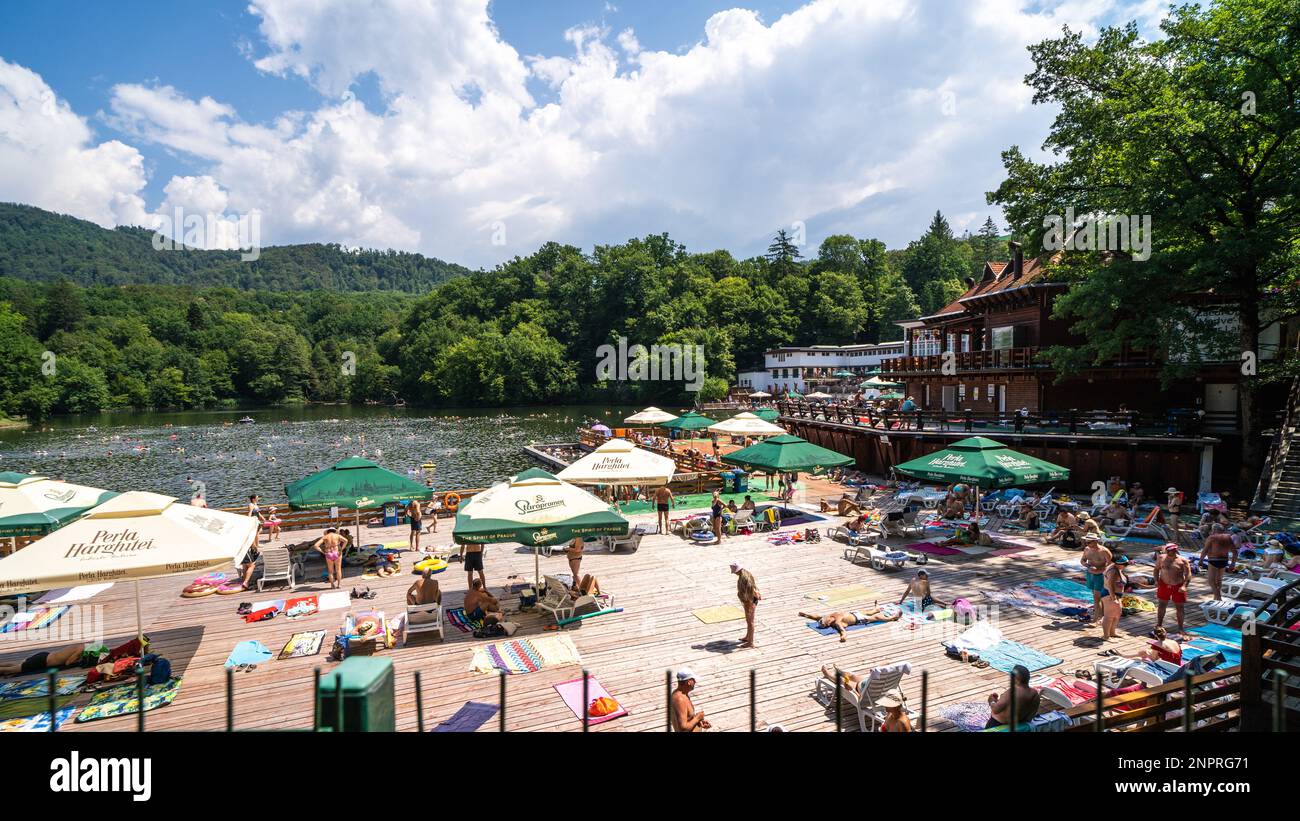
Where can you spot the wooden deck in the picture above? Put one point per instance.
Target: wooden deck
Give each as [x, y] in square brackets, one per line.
[659, 587]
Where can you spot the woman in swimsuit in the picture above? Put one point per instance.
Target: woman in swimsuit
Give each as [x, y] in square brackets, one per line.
[1113, 604]
[574, 554]
[331, 547]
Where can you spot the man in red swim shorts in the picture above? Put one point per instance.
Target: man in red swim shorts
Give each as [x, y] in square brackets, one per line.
[1173, 574]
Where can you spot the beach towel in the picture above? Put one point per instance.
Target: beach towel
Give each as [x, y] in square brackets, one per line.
[976, 638]
[303, 644]
[456, 618]
[1205, 647]
[969, 716]
[1219, 632]
[333, 600]
[715, 615]
[933, 549]
[39, 687]
[571, 692]
[840, 595]
[1066, 588]
[37, 722]
[1012, 549]
[521, 656]
[124, 699]
[35, 619]
[471, 716]
[830, 631]
[300, 607]
[64, 595]
[11, 708]
[248, 652]
[1006, 654]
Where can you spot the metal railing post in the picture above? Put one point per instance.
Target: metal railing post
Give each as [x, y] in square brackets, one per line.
[338, 703]
[839, 700]
[1279, 691]
[419, 705]
[139, 680]
[315, 707]
[230, 699]
[501, 722]
[1011, 725]
[668, 701]
[53, 677]
[586, 704]
[925, 698]
[753, 700]
[1101, 697]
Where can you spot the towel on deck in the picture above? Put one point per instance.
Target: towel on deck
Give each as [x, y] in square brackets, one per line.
[716, 615]
[571, 692]
[839, 595]
[519, 656]
[38, 722]
[969, 716]
[1006, 654]
[471, 716]
[125, 698]
[63, 595]
[248, 652]
[976, 638]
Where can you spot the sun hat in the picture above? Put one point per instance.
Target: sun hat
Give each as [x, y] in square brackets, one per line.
[686, 674]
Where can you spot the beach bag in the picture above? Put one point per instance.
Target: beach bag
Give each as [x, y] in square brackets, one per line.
[160, 672]
[812, 535]
[602, 706]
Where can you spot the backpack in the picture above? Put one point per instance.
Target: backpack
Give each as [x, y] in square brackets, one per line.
[1071, 541]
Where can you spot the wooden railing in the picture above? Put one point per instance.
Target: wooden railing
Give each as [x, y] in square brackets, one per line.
[993, 359]
[1270, 661]
[1072, 421]
[1215, 698]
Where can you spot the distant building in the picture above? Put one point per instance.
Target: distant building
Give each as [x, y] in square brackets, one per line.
[804, 369]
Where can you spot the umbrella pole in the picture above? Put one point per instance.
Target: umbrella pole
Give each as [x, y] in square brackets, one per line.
[139, 622]
[537, 570]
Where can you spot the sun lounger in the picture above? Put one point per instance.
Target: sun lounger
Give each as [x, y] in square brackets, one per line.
[879, 682]
[556, 599]
[277, 566]
[1155, 673]
[632, 541]
[423, 618]
[852, 537]
[1234, 587]
[880, 558]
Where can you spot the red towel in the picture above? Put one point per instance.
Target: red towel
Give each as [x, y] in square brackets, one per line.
[260, 615]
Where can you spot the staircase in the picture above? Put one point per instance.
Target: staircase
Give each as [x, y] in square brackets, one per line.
[1278, 494]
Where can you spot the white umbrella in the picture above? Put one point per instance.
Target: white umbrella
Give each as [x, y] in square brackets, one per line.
[817, 395]
[136, 535]
[746, 424]
[649, 416]
[619, 462]
[760, 395]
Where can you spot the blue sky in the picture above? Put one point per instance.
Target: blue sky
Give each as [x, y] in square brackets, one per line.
[443, 127]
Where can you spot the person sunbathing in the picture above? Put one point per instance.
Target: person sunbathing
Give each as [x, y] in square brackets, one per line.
[1161, 648]
[480, 604]
[919, 589]
[841, 619]
[966, 536]
[844, 507]
[70, 656]
[896, 720]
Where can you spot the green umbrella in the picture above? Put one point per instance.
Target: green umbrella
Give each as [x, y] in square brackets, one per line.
[786, 453]
[890, 396]
[843, 374]
[767, 414]
[34, 505]
[535, 508]
[794, 395]
[984, 463]
[690, 421]
[880, 383]
[353, 482]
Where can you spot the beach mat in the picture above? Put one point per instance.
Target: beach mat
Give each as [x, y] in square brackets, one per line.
[40, 688]
[933, 549]
[1205, 647]
[333, 600]
[839, 595]
[716, 615]
[830, 631]
[35, 618]
[521, 656]
[301, 607]
[1218, 632]
[248, 652]
[1006, 654]
[969, 716]
[303, 644]
[38, 722]
[571, 692]
[125, 699]
[12, 708]
[471, 716]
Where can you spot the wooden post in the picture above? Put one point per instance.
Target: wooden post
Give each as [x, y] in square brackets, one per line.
[1279, 693]
[1252, 673]
[1188, 708]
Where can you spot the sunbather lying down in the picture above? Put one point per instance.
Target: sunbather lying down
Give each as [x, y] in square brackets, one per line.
[844, 506]
[864, 615]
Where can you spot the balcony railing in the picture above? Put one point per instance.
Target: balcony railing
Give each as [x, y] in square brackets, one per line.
[995, 359]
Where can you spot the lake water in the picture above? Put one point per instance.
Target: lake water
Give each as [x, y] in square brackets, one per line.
[162, 452]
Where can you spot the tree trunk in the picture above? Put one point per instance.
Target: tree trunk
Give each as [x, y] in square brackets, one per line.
[1252, 446]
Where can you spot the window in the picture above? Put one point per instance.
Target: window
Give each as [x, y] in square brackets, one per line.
[961, 392]
[992, 391]
[1004, 337]
[975, 393]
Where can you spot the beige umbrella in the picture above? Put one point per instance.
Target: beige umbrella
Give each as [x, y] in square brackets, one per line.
[619, 462]
[649, 416]
[818, 395]
[746, 424]
[760, 395]
[135, 535]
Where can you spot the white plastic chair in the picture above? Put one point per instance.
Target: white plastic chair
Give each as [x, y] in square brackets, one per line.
[277, 566]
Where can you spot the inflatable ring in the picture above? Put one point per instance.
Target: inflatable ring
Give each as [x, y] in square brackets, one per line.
[432, 564]
[368, 626]
[198, 591]
[212, 579]
[230, 589]
[428, 466]
[451, 501]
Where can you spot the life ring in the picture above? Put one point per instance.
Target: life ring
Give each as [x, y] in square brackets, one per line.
[451, 501]
[428, 466]
[432, 564]
[368, 626]
[230, 589]
[198, 591]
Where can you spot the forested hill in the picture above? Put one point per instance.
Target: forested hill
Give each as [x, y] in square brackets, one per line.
[42, 246]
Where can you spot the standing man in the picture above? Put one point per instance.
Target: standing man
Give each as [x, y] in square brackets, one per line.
[1095, 559]
[474, 562]
[685, 718]
[414, 514]
[1220, 553]
[1173, 575]
[747, 592]
[663, 504]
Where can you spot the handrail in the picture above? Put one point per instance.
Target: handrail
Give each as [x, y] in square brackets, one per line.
[1279, 449]
[1149, 709]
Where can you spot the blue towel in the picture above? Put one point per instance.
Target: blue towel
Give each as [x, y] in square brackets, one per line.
[1219, 632]
[830, 631]
[248, 652]
[467, 719]
[1068, 588]
[1006, 654]
[1204, 647]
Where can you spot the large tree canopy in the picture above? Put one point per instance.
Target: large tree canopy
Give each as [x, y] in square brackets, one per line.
[1198, 130]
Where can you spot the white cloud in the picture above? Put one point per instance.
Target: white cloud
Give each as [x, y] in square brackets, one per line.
[49, 157]
[852, 116]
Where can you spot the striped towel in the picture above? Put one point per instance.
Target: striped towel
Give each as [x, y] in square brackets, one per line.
[457, 618]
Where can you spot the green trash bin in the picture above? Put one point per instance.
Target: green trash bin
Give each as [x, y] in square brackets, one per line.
[741, 480]
[728, 481]
[368, 696]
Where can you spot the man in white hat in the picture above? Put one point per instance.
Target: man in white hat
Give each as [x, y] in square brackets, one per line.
[684, 717]
[747, 592]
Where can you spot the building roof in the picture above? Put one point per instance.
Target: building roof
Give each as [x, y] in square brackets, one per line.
[998, 278]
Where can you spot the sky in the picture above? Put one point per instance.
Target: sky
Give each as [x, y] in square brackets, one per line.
[474, 131]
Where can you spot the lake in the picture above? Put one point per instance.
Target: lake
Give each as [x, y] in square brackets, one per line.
[162, 452]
